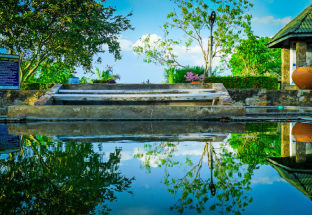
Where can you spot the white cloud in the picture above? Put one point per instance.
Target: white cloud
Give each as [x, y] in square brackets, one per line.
[267, 180]
[153, 38]
[270, 19]
[193, 53]
[125, 45]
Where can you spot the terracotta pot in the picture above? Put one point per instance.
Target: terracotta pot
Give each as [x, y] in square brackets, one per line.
[302, 77]
[302, 132]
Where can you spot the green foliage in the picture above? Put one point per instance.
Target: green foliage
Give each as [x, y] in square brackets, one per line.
[260, 141]
[105, 75]
[56, 72]
[169, 75]
[252, 57]
[58, 181]
[177, 74]
[232, 22]
[37, 86]
[247, 82]
[73, 30]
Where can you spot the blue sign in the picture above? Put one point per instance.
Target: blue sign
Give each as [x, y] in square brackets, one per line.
[8, 141]
[9, 72]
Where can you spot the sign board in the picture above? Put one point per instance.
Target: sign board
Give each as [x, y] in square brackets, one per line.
[9, 72]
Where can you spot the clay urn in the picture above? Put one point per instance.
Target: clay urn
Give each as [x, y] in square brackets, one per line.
[302, 132]
[302, 77]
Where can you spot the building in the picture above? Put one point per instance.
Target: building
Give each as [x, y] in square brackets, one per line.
[295, 40]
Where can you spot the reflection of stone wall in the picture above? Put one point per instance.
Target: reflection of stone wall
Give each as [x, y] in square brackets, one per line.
[19, 97]
[262, 97]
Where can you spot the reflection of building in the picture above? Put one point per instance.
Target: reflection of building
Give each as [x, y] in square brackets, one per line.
[295, 163]
[302, 180]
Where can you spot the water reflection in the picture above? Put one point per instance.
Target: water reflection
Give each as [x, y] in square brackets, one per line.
[179, 168]
[295, 163]
[232, 169]
[56, 178]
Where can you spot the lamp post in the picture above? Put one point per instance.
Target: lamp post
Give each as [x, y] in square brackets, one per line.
[212, 187]
[212, 19]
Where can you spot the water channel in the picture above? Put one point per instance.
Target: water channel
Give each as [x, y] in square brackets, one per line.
[156, 168]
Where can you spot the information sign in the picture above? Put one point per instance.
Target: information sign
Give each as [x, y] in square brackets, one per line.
[9, 72]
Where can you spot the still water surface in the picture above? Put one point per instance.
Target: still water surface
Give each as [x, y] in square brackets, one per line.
[122, 170]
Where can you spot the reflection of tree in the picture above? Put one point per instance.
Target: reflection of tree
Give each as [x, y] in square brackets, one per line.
[261, 140]
[53, 180]
[192, 191]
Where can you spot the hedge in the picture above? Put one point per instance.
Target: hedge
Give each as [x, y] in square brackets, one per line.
[37, 86]
[263, 82]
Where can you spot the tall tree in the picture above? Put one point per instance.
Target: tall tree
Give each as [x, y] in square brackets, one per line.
[52, 30]
[232, 22]
[252, 57]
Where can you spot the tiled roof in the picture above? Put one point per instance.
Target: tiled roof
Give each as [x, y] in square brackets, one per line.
[302, 24]
[301, 180]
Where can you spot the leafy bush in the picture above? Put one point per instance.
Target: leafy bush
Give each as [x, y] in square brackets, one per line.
[246, 82]
[55, 72]
[37, 86]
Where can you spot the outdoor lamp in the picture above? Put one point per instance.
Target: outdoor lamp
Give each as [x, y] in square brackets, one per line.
[212, 18]
[212, 188]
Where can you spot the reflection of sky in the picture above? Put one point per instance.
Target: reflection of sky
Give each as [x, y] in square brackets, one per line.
[271, 194]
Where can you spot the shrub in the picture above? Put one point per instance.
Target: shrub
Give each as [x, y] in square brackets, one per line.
[176, 75]
[246, 82]
[37, 86]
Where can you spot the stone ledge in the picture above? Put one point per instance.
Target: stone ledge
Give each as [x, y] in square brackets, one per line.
[124, 112]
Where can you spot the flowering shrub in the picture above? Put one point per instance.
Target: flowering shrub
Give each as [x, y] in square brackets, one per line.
[191, 77]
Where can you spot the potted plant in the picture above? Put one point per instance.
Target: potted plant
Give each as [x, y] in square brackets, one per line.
[194, 79]
[106, 76]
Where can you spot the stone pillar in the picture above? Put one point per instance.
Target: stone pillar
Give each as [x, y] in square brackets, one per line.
[285, 68]
[309, 152]
[285, 150]
[301, 53]
[301, 152]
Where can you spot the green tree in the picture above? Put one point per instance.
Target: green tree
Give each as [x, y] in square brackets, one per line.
[57, 72]
[252, 57]
[43, 178]
[56, 30]
[232, 22]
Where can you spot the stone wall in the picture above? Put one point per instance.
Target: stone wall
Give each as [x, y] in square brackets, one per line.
[245, 97]
[260, 97]
[19, 97]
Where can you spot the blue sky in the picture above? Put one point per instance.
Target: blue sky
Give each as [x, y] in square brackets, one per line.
[269, 16]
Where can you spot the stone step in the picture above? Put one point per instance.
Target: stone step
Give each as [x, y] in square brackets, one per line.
[137, 97]
[146, 91]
